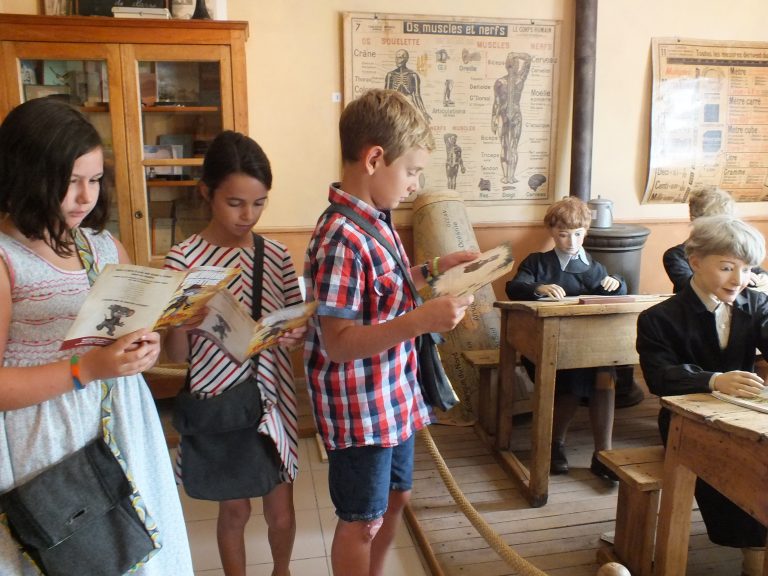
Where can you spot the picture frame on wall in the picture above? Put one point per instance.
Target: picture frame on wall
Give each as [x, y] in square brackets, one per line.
[471, 78]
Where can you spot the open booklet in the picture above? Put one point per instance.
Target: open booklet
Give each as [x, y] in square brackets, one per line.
[469, 277]
[127, 297]
[236, 333]
[759, 402]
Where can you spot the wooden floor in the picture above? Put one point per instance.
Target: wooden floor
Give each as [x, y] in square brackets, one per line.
[560, 538]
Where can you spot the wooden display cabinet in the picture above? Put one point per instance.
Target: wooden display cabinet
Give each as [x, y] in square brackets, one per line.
[157, 90]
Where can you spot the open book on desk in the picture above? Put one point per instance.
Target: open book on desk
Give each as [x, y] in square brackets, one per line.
[759, 402]
[469, 277]
[233, 330]
[126, 297]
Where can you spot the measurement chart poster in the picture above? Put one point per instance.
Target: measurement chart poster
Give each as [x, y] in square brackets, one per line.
[487, 87]
[709, 119]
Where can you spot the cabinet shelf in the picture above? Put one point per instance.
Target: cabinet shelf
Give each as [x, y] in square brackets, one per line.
[180, 109]
[172, 161]
[160, 183]
[96, 108]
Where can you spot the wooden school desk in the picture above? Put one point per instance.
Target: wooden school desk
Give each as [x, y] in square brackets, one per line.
[723, 444]
[556, 335]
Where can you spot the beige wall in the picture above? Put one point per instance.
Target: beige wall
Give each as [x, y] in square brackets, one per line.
[19, 6]
[295, 65]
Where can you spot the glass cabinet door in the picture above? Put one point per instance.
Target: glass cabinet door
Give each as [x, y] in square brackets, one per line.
[156, 106]
[182, 110]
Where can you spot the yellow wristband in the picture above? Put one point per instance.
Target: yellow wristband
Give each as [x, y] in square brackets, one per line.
[435, 266]
[74, 370]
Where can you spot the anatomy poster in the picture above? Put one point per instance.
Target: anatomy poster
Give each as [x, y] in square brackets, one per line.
[709, 122]
[487, 87]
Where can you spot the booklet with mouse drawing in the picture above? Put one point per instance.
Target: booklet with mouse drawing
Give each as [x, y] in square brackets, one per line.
[233, 330]
[127, 297]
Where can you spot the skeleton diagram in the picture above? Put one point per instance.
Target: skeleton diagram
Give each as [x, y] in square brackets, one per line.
[453, 160]
[506, 111]
[447, 102]
[406, 81]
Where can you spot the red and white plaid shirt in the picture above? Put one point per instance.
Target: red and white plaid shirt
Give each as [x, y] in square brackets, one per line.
[369, 401]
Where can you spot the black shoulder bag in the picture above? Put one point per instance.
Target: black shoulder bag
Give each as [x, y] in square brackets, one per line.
[435, 385]
[223, 455]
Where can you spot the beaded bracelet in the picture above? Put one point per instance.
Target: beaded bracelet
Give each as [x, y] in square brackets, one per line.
[74, 370]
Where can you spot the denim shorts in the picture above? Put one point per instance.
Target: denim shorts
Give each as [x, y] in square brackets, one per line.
[360, 479]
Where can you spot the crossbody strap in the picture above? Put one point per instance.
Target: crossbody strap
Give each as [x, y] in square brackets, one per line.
[371, 229]
[257, 277]
[88, 261]
[85, 254]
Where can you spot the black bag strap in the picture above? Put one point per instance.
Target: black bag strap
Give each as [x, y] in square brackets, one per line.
[372, 231]
[257, 275]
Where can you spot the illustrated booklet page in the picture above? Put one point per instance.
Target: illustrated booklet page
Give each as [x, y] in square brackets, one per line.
[469, 277]
[127, 297]
[233, 330]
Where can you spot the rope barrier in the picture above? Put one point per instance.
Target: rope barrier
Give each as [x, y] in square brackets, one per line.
[166, 370]
[520, 564]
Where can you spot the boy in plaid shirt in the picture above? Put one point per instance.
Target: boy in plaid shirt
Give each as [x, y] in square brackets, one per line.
[360, 354]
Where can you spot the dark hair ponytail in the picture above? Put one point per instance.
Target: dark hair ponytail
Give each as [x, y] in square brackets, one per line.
[234, 153]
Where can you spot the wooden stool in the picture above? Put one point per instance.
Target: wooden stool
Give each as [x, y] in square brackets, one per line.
[487, 363]
[640, 472]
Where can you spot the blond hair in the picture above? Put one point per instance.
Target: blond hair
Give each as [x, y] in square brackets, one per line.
[570, 212]
[383, 118]
[709, 201]
[725, 235]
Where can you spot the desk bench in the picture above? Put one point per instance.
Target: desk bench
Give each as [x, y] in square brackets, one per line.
[640, 472]
[486, 362]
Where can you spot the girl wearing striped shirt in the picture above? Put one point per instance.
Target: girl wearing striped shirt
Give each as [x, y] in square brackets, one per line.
[235, 183]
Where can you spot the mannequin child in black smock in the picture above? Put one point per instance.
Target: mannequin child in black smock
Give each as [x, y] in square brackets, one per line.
[704, 338]
[568, 270]
[707, 201]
